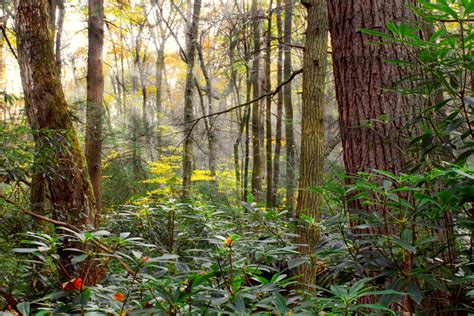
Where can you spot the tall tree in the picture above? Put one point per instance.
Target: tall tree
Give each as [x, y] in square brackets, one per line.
[191, 42]
[95, 95]
[287, 99]
[48, 114]
[361, 73]
[372, 122]
[257, 144]
[2, 69]
[279, 114]
[312, 129]
[268, 107]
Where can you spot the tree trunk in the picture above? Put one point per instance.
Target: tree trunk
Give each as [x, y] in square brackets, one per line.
[2, 73]
[59, 33]
[210, 130]
[361, 73]
[312, 130]
[160, 60]
[279, 115]
[268, 108]
[49, 116]
[287, 91]
[191, 39]
[257, 146]
[95, 96]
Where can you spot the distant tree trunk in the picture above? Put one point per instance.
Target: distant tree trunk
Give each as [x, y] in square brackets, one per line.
[247, 138]
[257, 146]
[287, 97]
[191, 39]
[210, 130]
[95, 96]
[59, 33]
[279, 115]
[268, 108]
[160, 64]
[312, 129]
[48, 114]
[234, 38]
[2, 72]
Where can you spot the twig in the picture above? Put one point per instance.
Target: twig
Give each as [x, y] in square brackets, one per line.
[272, 93]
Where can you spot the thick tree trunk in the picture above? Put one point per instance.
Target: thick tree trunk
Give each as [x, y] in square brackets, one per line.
[191, 39]
[257, 145]
[361, 73]
[287, 97]
[49, 116]
[95, 96]
[312, 129]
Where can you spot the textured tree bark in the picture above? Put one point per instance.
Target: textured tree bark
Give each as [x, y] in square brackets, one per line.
[312, 130]
[257, 145]
[372, 122]
[287, 98]
[191, 38]
[279, 115]
[95, 96]
[48, 115]
[268, 108]
[361, 73]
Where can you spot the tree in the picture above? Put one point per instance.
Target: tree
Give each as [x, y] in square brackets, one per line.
[268, 108]
[372, 121]
[312, 129]
[279, 115]
[287, 99]
[257, 141]
[95, 96]
[191, 42]
[48, 114]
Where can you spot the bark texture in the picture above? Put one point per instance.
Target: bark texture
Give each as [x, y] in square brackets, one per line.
[268, 109]
[95, 96]
[191, 42]
[361, 74]
[287, 98]
[312, 129]
[372, 121]
[279, 114]
[257, 144]
[49, 116]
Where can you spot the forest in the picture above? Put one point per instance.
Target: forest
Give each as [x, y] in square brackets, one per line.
[237, 157]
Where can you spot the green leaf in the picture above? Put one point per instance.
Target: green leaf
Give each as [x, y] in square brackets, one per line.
[378, 307]
[407, 246]
[24, 308]
[415, 292]
[25, 250]
[280, 303]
